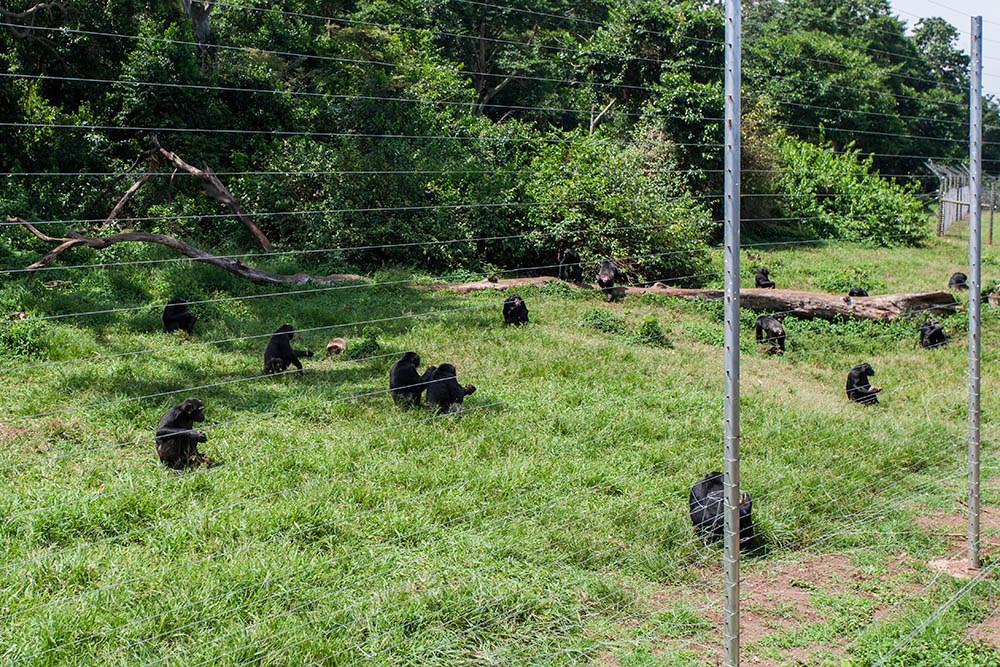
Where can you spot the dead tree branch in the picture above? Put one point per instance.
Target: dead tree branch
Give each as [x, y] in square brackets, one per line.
[234, 266]
[217, 191]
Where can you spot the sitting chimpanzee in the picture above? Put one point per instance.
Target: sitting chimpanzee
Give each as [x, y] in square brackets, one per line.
[444, 392]
[707, 502]
[176, 442]
[514, 310]
[406, 385]
[177, 316]
[769, 330]
[958, 281]
[279, 355]
[858, 387]
[932, 334]
[570, 269]
[607, 274]
[763, 279]
[857, 291]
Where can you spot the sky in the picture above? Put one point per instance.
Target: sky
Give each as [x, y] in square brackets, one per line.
[958, 13]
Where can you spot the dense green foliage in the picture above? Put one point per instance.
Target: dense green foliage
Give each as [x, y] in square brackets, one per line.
[360, 125]
[837, 195]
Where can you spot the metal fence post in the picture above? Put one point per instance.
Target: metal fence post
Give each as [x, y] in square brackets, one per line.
[975, 240]
[993, 206]
[732, 334]
[940, 222]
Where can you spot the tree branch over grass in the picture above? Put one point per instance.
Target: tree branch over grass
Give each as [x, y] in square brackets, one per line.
[232, 265]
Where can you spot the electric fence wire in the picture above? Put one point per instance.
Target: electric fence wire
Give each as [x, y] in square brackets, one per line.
[781, 426]
[570, 558]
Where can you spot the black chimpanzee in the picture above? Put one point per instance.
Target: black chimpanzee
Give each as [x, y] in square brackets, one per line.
[858, 387]
[514, 310]
[279, 355]
[444, 392]
[607, 274]
[932, 334]
[958, 281]
[763, 279]
[177, 316]
[707, 503]
[769, 330]
[405, 384]
[176, 442]
[857, 291]
[570, 269]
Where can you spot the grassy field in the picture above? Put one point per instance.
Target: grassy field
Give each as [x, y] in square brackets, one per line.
[546, 524]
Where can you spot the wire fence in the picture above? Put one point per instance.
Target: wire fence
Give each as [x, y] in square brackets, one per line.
[391, 182]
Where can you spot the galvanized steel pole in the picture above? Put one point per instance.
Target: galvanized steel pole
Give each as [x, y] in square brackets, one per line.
[975, 278]
[732, 334]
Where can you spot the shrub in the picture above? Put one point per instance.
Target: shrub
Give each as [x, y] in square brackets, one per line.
[626, 202]
[649, 333]
[368, 346]
[839, 196]
[604, 321]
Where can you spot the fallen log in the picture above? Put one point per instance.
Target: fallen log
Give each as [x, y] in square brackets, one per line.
[796, 303]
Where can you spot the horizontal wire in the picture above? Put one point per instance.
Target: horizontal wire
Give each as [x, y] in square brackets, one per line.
[474, 205]
[958, 595]
[372, 209]
[331, 326]
[406, 244]
[421, 280]
[669, 65]
[478, 38]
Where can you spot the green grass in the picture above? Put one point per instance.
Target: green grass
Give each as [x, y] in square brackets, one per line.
[536, 526]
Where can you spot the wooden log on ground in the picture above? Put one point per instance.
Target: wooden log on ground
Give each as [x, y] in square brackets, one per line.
[795, 303]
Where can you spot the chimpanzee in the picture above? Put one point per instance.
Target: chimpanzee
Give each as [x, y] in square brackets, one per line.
[444, 391]
[405, 384]
[176, 442]
[570, 269]
[958, 281]
[514, 310]
[177, 316]
[932, 334]
[769, 330]
[857, 291]
[279, 355]
[858, 387]
[707, 503]
[763, 279]
[607, 274]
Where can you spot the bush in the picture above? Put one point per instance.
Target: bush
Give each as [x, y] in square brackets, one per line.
[604, 321]
[649, 333]
[839, 196]
[367, 347]
[626, 202]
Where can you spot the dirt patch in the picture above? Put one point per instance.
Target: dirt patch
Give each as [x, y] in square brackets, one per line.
[957, 567]
[777, 598]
